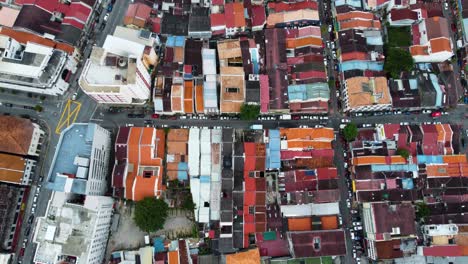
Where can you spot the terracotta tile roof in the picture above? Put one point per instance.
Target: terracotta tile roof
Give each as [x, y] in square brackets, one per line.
[16, 134]
[25, 37]
[329, 222]
[369, 160]
[440, 45]
[447, 170]
[355, 15]
[173, 257]
[454, 158]
[176, 98]
[419, 50]
[302, 42]
[357, 24]
[145, 148]
[188, 97]
[308, 133]
[234, 13]
[300, 224]
[288, 17]
[229, 49]
[355, 55]
[365, 91]
[137, 14]
[283, 6]
[11, 168]
[200, 108]
[218, 20]
[251, 256]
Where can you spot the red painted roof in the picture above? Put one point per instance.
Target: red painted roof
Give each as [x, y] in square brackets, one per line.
[282, 6]
[401, 14]
[217, 20]
[443, 251]
[326, 173]
[234, 13]
[258, 15]
[332, 243]
[265, 93]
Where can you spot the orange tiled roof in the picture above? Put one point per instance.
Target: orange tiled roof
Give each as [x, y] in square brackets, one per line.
[145, 147]
[447, 170]
[308, 133]
[302, 42]
[300, 224]
[11, 168]
[440, 44]
[251, 256]
[309, 144]
[25, 37]
[454, 158]
[173, 257]
[360, 24]
[419, 50]
[199, 99]
[364, 91]
[176, 98]
[440, 133]
[188, 97]
[329, 222]
[355, 55]
[369, 160]
[355, 15]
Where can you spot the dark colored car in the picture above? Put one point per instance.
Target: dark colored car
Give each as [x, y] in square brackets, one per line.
[136, 115]
[109, 7]
[8, 105]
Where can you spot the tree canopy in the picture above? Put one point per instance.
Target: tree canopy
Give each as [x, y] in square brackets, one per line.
[403, 152]
[150, 214]
[422, 210]
[350, 132]
[249, 112]
[188, 203]
[397, 60]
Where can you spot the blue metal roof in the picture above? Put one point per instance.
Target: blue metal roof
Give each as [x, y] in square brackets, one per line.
[361, 65]
[74, 141]
[395, 167]
[273, 160]
[423, 159]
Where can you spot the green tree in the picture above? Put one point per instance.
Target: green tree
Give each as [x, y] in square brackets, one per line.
[422, 211]
[42, 97]
[188, 203]
[397, 60]
[403, 152]
[249, 112]
[150, 214]
[38, 108]
[350, 132]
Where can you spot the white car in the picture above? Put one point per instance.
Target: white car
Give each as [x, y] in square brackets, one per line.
[358, 114]
[333, 45]
[345, 121]
[446, 6]
[337, 93]
[106, 16]
[330, 28]
[404, 123]
[366, 125]
[129, 125]
[426, 111]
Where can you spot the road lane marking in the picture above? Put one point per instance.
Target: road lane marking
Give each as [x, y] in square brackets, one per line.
[68, 116]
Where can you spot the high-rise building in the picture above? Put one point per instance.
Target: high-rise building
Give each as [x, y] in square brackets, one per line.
[81, 160]
[75, 229]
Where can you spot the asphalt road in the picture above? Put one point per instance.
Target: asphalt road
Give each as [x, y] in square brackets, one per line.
[48, 119]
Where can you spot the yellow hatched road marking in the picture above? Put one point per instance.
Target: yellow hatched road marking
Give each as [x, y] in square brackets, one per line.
[69, 115]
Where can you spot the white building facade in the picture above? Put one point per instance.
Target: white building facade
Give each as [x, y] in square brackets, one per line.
[73, 232]
[34, 68]
[116, 74]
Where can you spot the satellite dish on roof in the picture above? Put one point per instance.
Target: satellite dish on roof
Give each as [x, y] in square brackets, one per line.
[122, 63]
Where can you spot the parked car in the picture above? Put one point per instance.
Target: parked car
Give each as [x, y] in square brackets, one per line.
[330, 28]
[436, 114]
[136, 115]
[110, 7]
